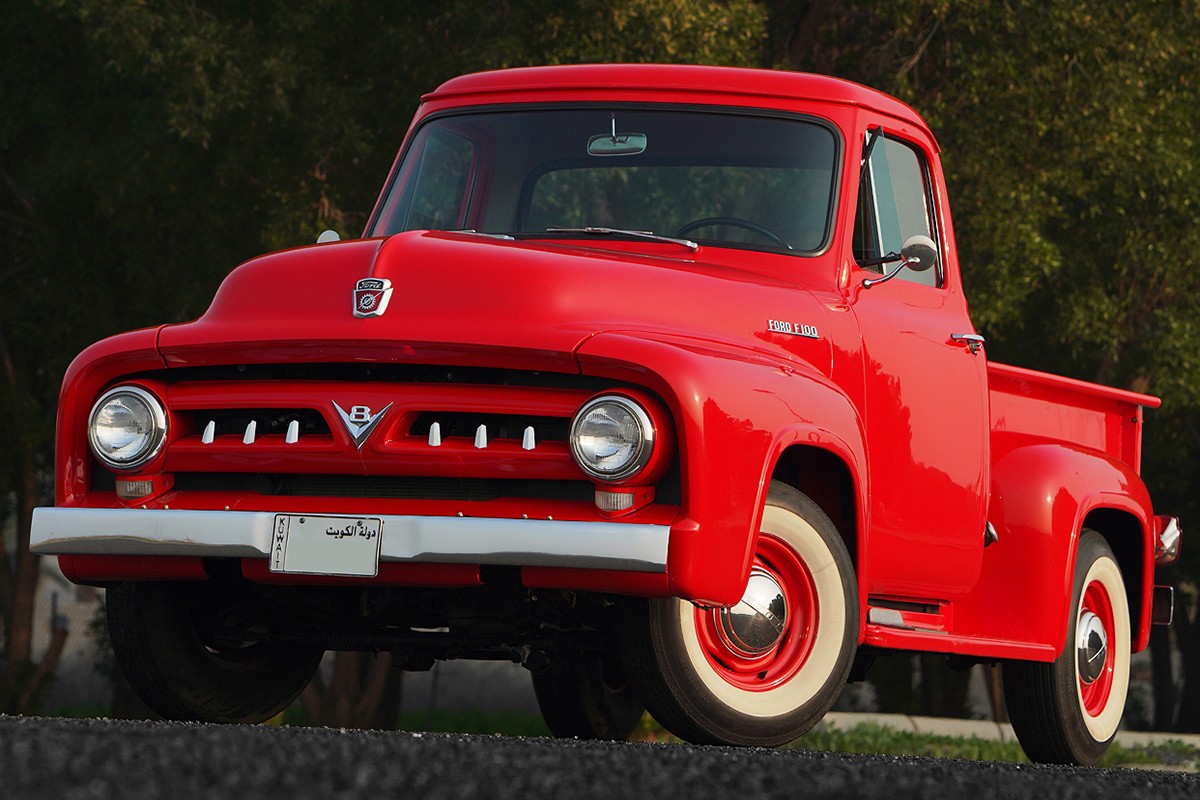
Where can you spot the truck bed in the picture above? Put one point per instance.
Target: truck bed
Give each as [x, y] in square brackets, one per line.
[1062, 409]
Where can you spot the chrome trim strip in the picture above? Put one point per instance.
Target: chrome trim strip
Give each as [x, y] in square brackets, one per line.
[636, 547]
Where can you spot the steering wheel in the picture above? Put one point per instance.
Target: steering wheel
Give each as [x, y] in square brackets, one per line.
[735, 222]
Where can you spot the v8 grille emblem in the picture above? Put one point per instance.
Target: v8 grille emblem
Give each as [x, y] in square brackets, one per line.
[359, 421]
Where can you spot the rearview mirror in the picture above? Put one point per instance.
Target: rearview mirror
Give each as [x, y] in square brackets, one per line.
[617, 144]
[918, 253]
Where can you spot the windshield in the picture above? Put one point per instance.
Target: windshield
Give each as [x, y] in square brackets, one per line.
[739, 180]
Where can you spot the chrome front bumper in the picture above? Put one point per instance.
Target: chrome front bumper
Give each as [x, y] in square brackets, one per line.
[634, 547]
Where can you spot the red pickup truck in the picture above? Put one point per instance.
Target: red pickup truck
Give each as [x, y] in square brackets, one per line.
[658, 380]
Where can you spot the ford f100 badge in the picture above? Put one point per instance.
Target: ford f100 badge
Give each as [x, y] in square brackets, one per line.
[371, 296]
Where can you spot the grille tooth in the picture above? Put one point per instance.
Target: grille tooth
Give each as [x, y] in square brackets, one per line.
[435, 435]
[481, 438]
[529, 439]
[251, 432]
[293, 432]
[210, 432]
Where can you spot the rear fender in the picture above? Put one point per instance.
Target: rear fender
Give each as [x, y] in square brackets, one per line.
[1043, 494]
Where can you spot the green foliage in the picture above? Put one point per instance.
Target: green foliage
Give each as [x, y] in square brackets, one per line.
[298, 110]
[872, 738]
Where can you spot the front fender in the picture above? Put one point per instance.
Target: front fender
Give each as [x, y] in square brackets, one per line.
[736, 410]
[1043, 492]
[89, 374]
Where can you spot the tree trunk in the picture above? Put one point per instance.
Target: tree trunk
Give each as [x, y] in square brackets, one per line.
[362, 692]
[943, 690]
[892, 677]
[18, 633]
[1163, 676]
[1187, 635]
[993, 679]
[21, 676]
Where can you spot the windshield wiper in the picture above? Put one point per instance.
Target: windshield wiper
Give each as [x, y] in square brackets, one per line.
[473, 232]
[647, 235]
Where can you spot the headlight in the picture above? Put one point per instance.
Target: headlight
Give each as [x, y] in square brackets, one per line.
[612, 437]
[127, 427]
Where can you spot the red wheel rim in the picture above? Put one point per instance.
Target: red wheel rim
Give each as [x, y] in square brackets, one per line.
[1095, 694]
[780, 664]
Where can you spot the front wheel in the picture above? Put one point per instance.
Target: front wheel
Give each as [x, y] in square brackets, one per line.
[162, 642]
[766, 670]
[1067, 712]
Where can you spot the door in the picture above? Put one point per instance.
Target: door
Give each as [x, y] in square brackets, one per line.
[924, 391]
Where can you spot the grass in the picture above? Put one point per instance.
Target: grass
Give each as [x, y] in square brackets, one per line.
[871, 738]
[867, 738]
[882, 740]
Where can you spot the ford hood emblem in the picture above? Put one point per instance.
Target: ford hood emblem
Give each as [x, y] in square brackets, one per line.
[371, 296]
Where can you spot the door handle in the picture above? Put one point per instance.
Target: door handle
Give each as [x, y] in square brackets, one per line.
[972, 340]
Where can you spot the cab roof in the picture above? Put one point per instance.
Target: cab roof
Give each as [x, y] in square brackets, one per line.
[668, 78]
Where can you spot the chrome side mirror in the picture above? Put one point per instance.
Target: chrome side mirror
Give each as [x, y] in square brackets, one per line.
[918, 253]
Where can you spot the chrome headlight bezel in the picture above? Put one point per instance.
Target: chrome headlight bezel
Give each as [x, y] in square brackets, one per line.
[640, 446]
[149, 412]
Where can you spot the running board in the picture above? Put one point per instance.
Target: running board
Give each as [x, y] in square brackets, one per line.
[928, 626]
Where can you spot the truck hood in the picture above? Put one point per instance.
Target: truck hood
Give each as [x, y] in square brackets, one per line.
[475, 300]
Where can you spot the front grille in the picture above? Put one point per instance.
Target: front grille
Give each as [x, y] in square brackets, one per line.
[386, 431]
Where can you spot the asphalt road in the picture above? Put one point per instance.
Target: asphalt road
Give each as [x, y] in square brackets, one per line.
[59, 758]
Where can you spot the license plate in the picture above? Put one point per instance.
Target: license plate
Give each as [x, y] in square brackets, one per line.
[312, 544]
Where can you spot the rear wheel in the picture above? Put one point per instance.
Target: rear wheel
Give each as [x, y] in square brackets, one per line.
[1067, 712]
[183, 674]
[587, 696]
[766, 670]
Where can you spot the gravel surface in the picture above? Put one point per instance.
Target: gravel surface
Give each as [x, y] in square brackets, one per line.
[61, 758]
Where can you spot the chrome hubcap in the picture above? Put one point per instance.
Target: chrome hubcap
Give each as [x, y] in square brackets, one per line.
[756, 623]
[1092, 647]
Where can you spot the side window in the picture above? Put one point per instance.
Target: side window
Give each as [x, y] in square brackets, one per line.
[442, 186]
[894, 202]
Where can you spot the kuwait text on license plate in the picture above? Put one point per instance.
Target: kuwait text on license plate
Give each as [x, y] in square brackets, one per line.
[323, 545]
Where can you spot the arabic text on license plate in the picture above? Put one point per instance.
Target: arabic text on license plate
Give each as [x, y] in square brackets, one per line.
[322, 545]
